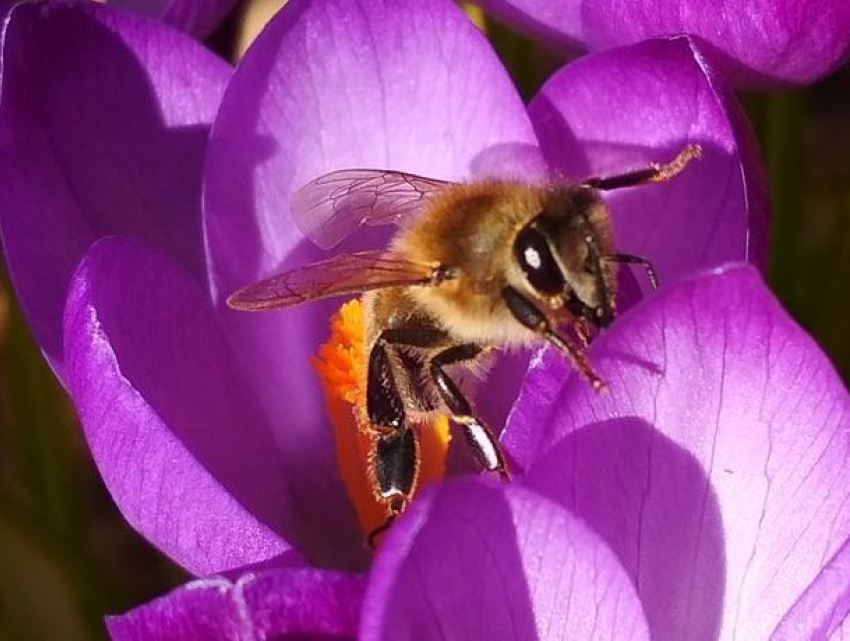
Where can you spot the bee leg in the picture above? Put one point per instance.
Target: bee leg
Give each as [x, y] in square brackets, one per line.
[532, 318]
[635, 260]
[394, 464]
[654, 173]
[582, 329]
[478, 435]
[396, 467]
[372, 538]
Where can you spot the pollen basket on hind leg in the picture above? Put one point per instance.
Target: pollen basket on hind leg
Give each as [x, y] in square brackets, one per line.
[341, 365]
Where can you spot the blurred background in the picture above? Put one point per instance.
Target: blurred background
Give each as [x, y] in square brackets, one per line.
[66, 555]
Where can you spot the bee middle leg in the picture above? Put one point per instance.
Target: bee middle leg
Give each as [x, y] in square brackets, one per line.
[480, 437]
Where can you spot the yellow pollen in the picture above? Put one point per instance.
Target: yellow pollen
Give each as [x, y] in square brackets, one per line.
[342, 364]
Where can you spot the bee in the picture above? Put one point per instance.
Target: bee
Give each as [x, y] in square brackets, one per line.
[474, 266]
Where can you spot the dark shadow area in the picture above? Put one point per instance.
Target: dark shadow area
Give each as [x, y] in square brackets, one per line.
[531, 57]
[652, 502]
[805, 135]
[88, 153]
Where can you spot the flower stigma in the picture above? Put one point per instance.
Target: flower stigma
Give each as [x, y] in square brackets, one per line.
[341, 365]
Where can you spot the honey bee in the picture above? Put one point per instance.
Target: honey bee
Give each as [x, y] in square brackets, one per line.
[474, 266]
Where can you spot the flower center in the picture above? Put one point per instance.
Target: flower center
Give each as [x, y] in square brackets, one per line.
[342, 364]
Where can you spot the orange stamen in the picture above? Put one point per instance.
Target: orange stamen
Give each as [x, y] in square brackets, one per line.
[341, 365]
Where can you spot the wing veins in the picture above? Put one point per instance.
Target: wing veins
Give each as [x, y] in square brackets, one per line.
[332, 206]
[340, 275]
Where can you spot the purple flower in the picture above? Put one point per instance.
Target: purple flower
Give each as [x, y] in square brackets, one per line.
[208, 426]
[705, 497]
[761, 44]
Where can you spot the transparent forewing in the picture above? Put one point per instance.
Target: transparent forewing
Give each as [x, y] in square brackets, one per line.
[332, 206]
[337, 276]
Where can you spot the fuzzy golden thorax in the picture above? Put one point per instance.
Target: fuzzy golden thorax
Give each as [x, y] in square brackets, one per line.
[472, 228]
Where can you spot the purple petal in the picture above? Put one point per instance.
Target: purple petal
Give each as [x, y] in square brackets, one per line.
[103, 125]
[197, 17]
[715, 467]
[177, 436]
[473, 560]
[842, 632]
[759, 44]
[615, 111]
[823, 608]
[272, 604]
[339, 84]
[333, 84]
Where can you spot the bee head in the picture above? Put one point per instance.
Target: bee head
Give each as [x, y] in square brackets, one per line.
[561, 253]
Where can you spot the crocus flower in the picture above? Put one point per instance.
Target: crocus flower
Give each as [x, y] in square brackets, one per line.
[705, 497]
[761, 44]
[208, 426]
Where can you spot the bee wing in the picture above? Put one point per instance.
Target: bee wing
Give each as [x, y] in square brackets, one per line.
[337, 276]
[332, 206]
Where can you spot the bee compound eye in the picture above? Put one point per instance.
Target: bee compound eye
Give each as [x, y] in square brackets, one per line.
[532, 252]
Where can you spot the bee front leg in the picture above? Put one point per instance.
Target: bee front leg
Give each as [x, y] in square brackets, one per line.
[528, 315]
[479, 436]
[635, 260]
[654, 173]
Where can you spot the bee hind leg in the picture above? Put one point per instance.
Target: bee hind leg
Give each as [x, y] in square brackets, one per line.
[394, 460]
[479, 436]
[395, 466]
